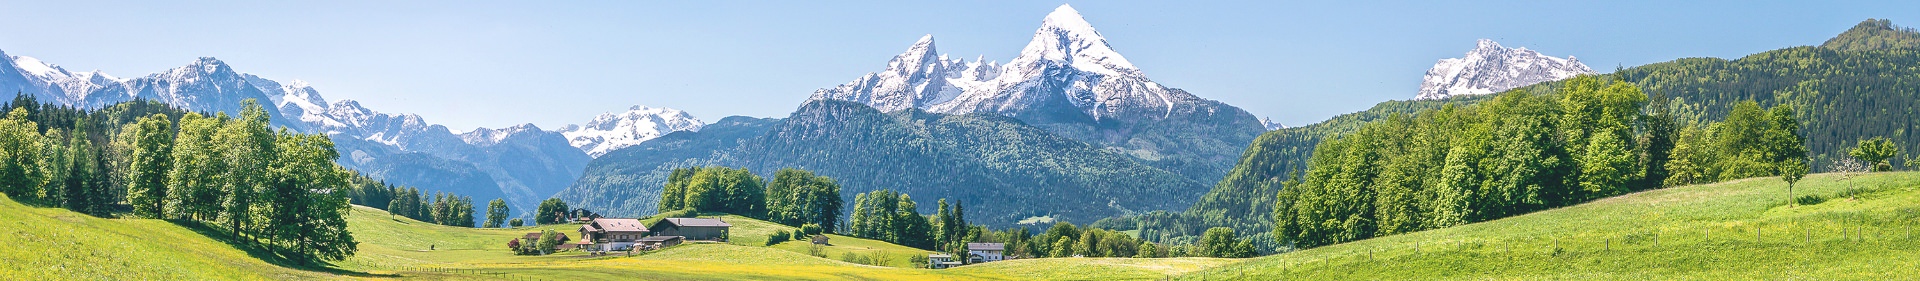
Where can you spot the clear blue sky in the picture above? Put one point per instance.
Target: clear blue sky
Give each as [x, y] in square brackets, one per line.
[498, 64]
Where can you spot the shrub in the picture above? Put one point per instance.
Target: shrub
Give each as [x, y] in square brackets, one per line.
[810, 229]
[516, 222]
[777, 237]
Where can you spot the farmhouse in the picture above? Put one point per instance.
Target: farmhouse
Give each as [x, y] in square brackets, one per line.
[692, 228]
[607, 234]
[986, 252]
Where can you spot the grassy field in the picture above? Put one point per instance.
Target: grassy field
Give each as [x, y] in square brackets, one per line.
[1705, 232]
[398, 247]
[56, 244]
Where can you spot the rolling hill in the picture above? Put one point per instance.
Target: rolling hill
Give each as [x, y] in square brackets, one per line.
[1739, 230]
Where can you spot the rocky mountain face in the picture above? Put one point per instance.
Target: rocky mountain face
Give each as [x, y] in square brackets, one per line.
[1003, 169]
[1490, 68]
[1070, 81]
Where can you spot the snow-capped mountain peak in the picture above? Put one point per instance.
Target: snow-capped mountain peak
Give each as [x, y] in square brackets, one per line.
[1491, 68]
[1067, 67]
[610, 131]
[1271, 125]
[1065, 36]
[35, 67]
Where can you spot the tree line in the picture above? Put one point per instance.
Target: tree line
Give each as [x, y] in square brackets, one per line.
[145, 159]
[441, 208]
[794, 197]
[1519, 153]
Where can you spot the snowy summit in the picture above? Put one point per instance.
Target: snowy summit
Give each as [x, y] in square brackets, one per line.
[1067, 67]
[1490, 68]
[611, 131]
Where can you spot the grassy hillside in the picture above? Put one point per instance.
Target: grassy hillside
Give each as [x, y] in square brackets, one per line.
[57, 244]
[1704, 232]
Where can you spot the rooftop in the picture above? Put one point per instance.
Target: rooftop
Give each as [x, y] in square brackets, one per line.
[986, 246]
[659, 238]
[622, 225]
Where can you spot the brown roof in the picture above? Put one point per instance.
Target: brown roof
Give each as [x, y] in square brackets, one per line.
[660, 238]
[620, 225]
[696, 222]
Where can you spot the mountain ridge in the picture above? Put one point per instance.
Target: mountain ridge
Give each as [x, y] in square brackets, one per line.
[1490, 68]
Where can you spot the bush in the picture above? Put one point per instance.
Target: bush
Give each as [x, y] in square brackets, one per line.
[777, 237]
[516, 222]
[810, 229]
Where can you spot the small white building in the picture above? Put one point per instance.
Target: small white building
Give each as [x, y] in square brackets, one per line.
[986, 252]
[939, 261]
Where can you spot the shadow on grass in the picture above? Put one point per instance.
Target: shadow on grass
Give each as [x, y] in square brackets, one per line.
[265, 253]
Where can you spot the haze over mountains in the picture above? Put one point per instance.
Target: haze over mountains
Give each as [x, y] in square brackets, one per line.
[523, 163]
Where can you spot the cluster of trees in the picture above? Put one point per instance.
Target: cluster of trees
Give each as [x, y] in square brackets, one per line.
[1514, 154]
[890, 216]
[794, 197]
[1244, 199]
[1751, 142]
[715, 189]
[442, 208]
[551, 211]
[798, 198]
[278, 189]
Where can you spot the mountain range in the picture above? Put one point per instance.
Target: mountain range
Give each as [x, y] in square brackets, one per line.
[1068, 129]
[523, 164]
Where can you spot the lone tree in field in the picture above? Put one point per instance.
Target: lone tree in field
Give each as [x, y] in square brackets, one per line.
[1792, 171]
[1848, 168]
[1875, 152]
